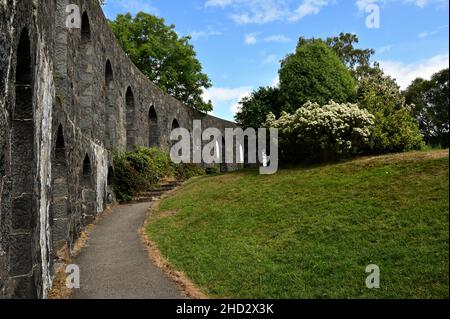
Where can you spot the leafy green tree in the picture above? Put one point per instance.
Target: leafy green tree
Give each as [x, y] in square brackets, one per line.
[254, 109]
[166, 59]
[430, 105]
[314, 73]
[395, 129]
[355, 59]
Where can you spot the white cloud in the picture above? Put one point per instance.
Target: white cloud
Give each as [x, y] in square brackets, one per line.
[250, 39]
[252, 11]
[220, 94]
[427, 34]
[227, 97]
[204, 34]
[218, 3]
[275, 81]
[406, 73]
[271, 59]
[277, 38]
[236, 106]
[362, 4]
[384, 49]
[136, 5]
[265, 11]
[308, 7]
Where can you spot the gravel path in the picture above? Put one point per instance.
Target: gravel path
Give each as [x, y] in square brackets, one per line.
[115, 264]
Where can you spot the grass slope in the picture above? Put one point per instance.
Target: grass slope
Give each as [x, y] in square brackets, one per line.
[310, 232]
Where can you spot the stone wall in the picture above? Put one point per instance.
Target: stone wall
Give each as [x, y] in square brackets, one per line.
[68, 98]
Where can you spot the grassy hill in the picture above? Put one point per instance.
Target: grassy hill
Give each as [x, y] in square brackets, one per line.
[310, 232]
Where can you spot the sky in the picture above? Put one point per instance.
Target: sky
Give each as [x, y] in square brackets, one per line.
[240, 42]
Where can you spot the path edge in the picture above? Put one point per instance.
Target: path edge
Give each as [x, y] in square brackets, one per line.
[59, 289]
[187, 286]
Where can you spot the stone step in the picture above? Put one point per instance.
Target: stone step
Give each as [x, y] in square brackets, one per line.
[156, 193]
[151, 193]
[164, 187]
[144, 199]
[170, 184]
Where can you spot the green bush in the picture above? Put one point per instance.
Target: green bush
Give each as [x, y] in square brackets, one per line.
[187, 171]
[395, 129]
[142, 169]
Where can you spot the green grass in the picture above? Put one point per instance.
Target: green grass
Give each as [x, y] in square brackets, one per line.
[310, 232]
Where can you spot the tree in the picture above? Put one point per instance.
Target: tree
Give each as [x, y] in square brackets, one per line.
[430, 105]
[395, 129]
[356, 60]
[167, 60]
[254, 109]
[314, 73]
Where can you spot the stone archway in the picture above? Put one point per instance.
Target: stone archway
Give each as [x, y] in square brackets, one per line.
[130, 118]
[88, 194]
[110, 132]
[109, 185]
[86, 75]
[153, 134]
[60, 203]
[22, 169]
[175, 124]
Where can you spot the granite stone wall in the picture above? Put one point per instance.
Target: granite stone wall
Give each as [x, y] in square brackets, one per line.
[68, 97]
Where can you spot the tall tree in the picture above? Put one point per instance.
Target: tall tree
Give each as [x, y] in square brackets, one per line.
[430, 106]
[395, 129]
[165, 58]
[314, 73]
[255, 108]
[355, 59]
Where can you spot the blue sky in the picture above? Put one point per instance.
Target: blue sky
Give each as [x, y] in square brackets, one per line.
[240, 42]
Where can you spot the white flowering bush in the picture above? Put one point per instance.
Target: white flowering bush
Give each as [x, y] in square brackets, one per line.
[326, 132]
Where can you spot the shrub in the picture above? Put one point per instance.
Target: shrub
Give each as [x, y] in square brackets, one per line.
[141, 169]
[187, 171]
[395, 129]
[316, 133]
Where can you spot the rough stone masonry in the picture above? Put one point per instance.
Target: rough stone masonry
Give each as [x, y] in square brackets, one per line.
[68, 98]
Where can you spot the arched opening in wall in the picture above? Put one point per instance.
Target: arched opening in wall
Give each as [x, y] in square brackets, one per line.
[86, 76]
[153, 135]
[110, 178]
[109, 187]
[130, 107]
[85, 28]
[22, 163]
[109, 77]
[88, 194]
[110, 132]
[174, 126]
[60, 190]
